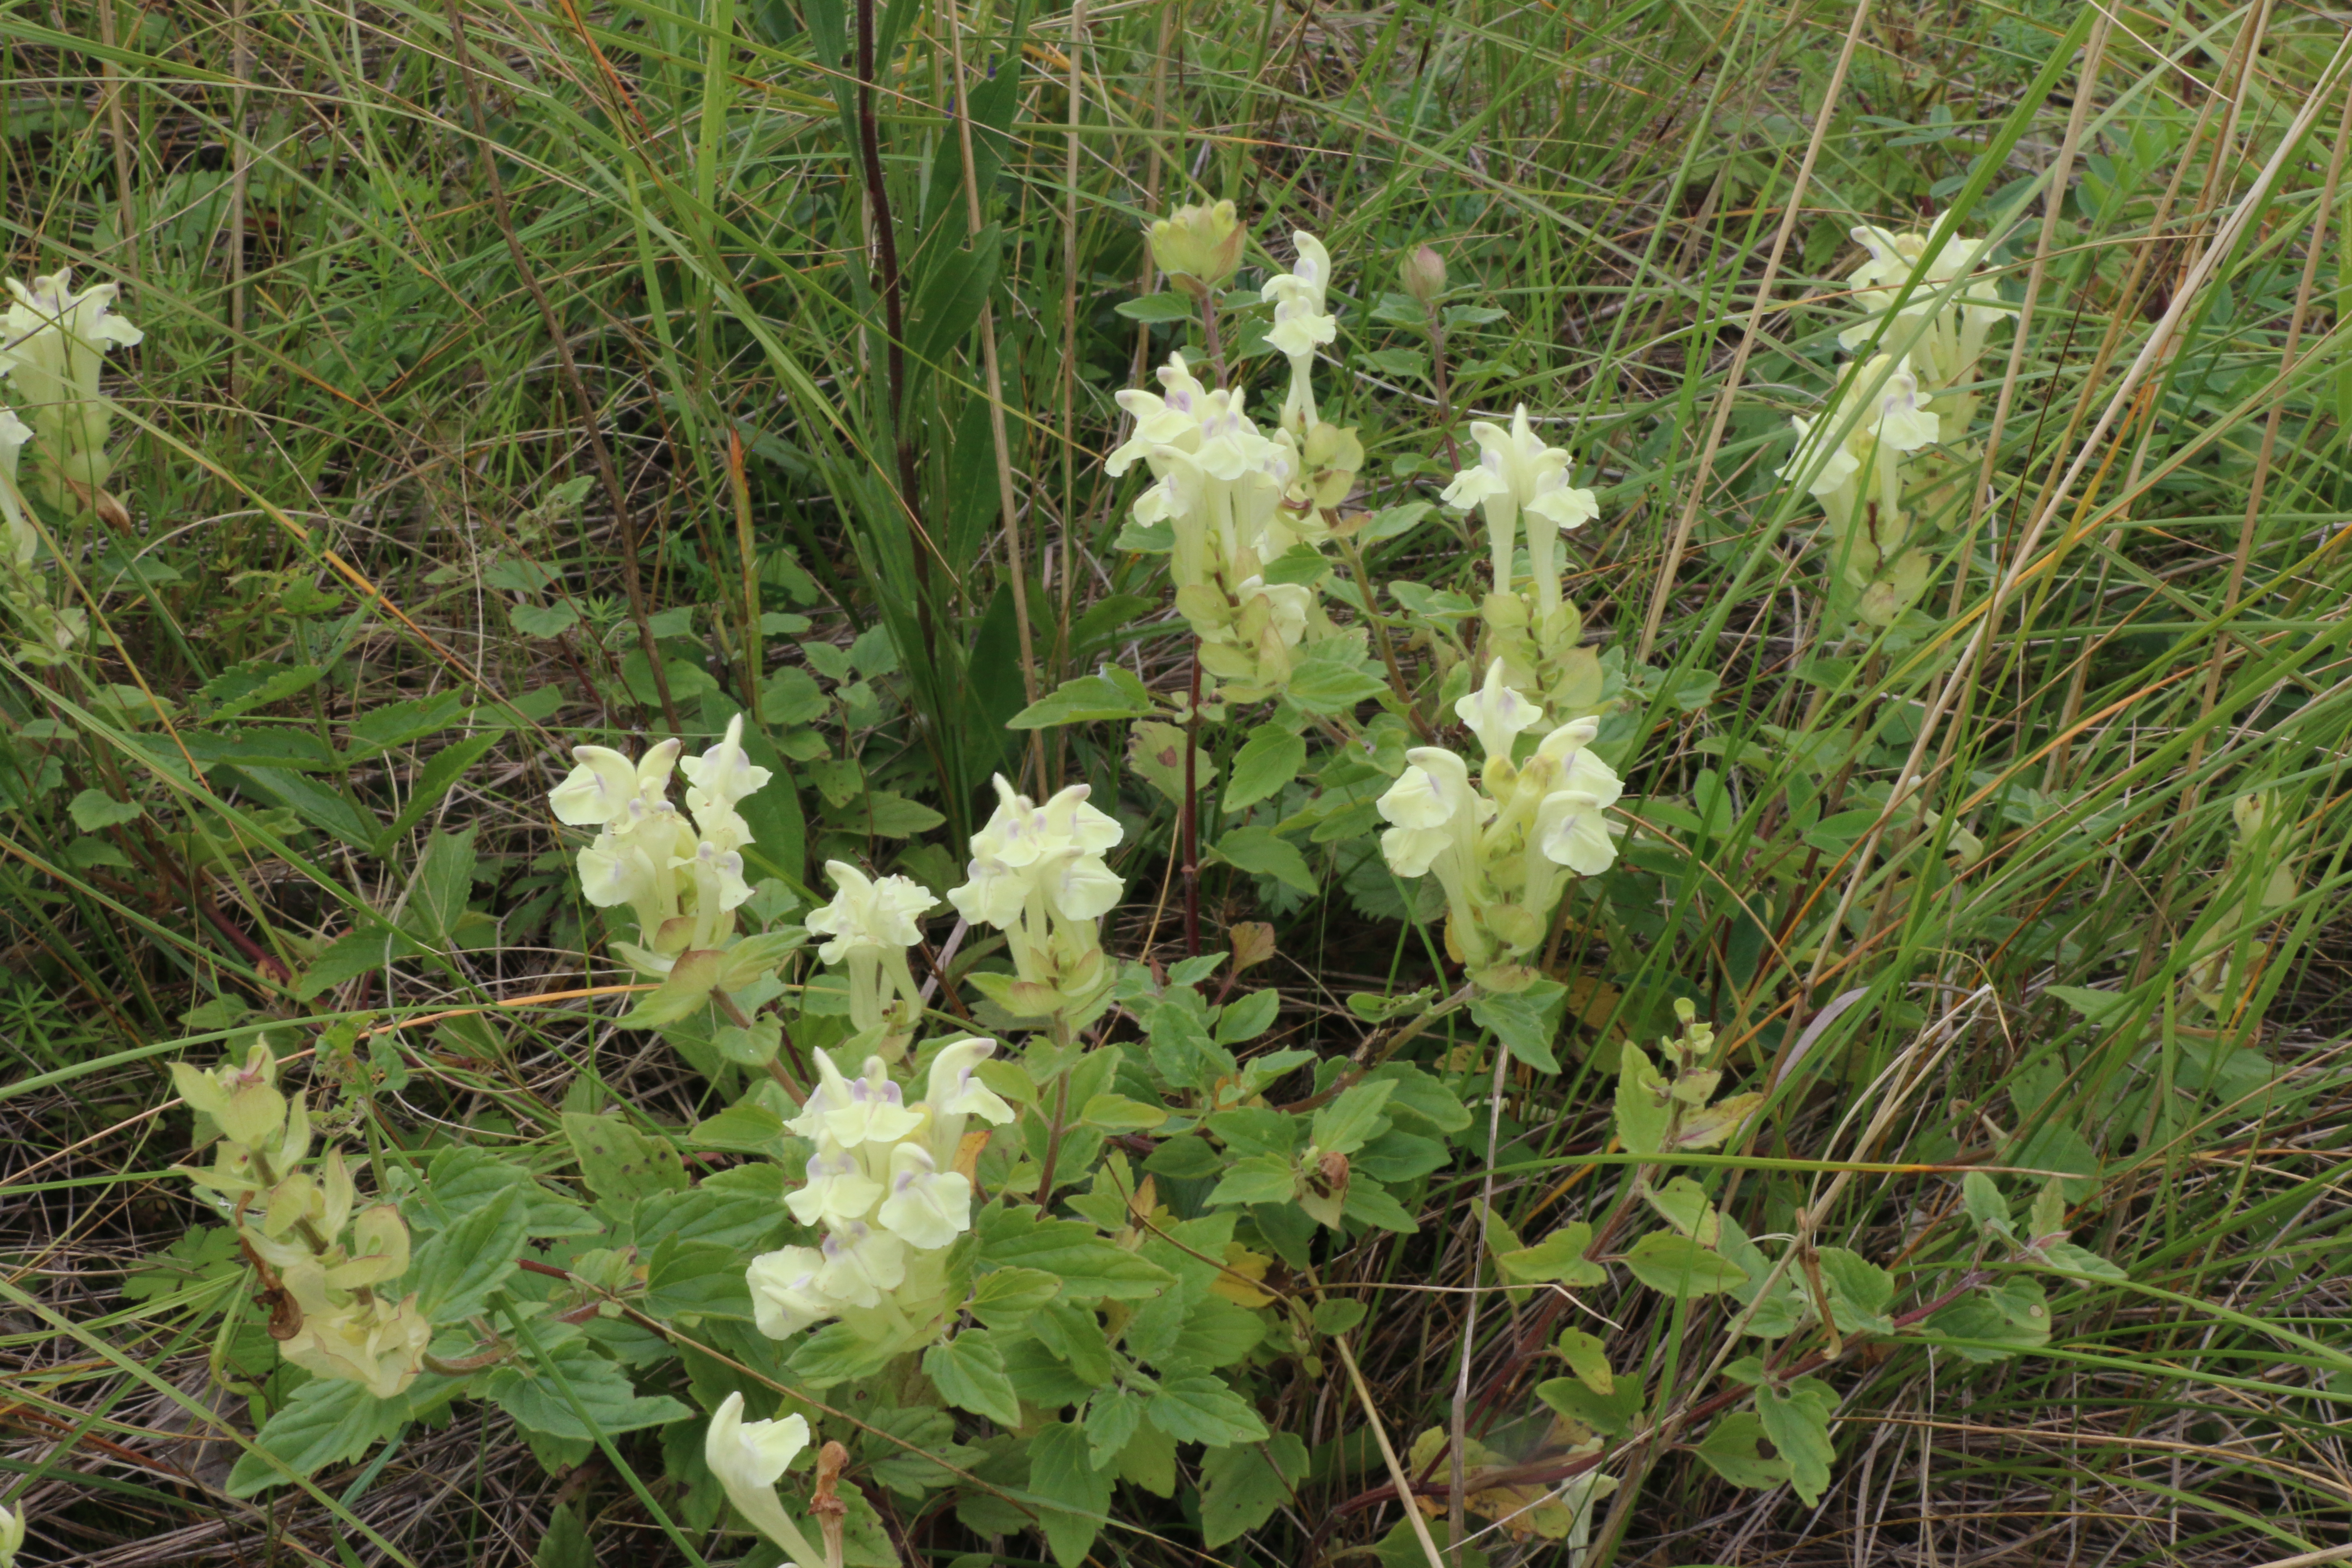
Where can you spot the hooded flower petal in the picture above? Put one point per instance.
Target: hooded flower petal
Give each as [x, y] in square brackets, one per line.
[597, 791]
[953, 1090]
[748, 1457]
[784, 1295]
[838, 1191]
[926, 1207]
[1495, 713]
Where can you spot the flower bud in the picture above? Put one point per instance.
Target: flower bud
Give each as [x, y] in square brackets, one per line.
[1422, 274]
[1198, 247]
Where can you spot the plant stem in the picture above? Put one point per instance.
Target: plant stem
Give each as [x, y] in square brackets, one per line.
[1191, 811]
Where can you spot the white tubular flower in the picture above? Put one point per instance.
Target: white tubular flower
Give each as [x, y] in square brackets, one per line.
[1573, 830]
[838, 1191]
[1497, 715]
[719, 777]
[22, 542]
[1052, 854]
[784, 1295]
[876, 913]
[953, 1091]
[1900, 418]
[54, 352]
[1301, 324]
[870, 1108]
[1081, 887]
[927, 1208]
[1825, 474]
[11, 1537]
[749, 1458]
[1432, 807]
[1067, 817]
[614, 871]
[1163, 424]
[861, 1264]
[1517, 471]
[605, 786]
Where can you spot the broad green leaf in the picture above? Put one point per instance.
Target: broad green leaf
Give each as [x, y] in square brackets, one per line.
[1006, 1298]
[1642, 1097]
[1353, 1120]
[543, 1399]
[1090, 1266]
[326, 1422]
[1062, 1471]
[1246, 1017]
[1682, 1203]
[1155, 753]
[1199, 1407]
[544, 620]
[454, 1273]
[1557, 1258]
[742, 1129]
[1527, 1022]
[1982, 1196]
[1588, 1358]
[1261, 852]
[1117, 1113]
[1736, 1448]
[1707, 1128]
[1164, 306]
[1216, 1333]
[742, 1209]
[1610, 1415]
[1679, 1266]
[352, 955]
[437, 779]
[1797, 1420]
[1257, 1179]
[437, 892]
[93, 809]
[1859, 1290]
[969, 1373]
[684, 991]
[1263, 766]
[1087, 698]
[1243, 1484]
[1326, 685]
[2072, 1259]
[1111, 1419]
[619, 1161]
[1369, 1203]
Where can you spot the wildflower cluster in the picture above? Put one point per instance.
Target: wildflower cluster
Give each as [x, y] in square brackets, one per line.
[1236, 498]
[1537, 636]
[53, 354]
[1502, 850]
[1037, 873]
[870, 925]
[1882, 455]
[683, 879]
[889, 1188]
[333, 1314]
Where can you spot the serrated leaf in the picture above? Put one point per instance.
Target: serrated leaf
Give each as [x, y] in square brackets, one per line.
[1353, 1120]
[1257, 1179]
[544, 620]
[683, 991]
[542, 1396]
[1678, 1267]
[1640, 1102]
[453, 1272]
[1118, 1113]
[969, 1373]
[1062, 1471]
[1200, 1408]
[1982, 1196]
[1369, 1203]
[256, 684]
[2074, 1259]
[1263, 766]
[1155, 753]
[619, 1161]
[1706, 1129]
[1090, 1266]
[1527, 1022]
[1859, 1290]
[1243, 1484]
[326, 1422]
[1246, 1017]
[1111, 1419]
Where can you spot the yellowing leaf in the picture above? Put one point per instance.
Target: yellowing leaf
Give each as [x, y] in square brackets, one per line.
[1706, 1129]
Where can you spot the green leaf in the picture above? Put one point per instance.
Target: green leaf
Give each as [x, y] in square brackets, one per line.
[886, 814]
[741, 1208]
[352, 955]
[544, 620]
[1338, 1314]
[1680, 1268]
[1588, 1358]
[790, 695]
[685, 990]
[1062, 1471]
[1090, 1266]
[1527, 1022]
[1216, 1333]
[1257, 1179]
[1085, 700]
[93, 809]
[1736, 1450]
[2066, 1257]
[1261, 852]
[2097, 1007]
[454, 1273]
[1353, 1120]
[1328, 686]
[1246, 1017]
[1610, 1415]
[1118, 1113]
[542, 1396]
[1982, 1196]
[618, 1160]
[1241, 1486]
[1798, 1423]
[397, 723]
[434, 781]
[1112, 1417]
[838, 1353]
[696, 1278]
[1369, 1203]
[954, 288]
[318, 806]
[439, 891]
[256, 683]
[1300, 565]
[1640, 1102]
[1859, 1291]
[1006, 1298]
[1156, 308]
[1201, 1408]
[740, 1129]
[327, 1422]
[1557, 1258]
